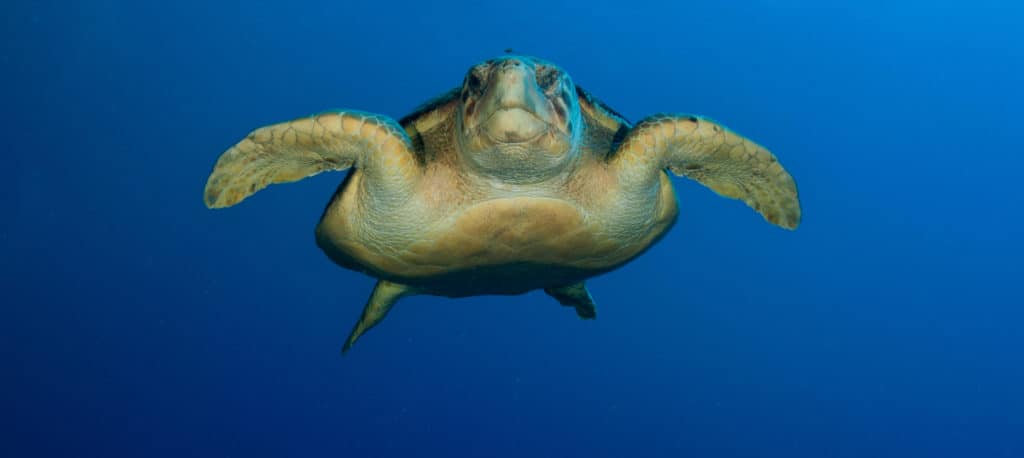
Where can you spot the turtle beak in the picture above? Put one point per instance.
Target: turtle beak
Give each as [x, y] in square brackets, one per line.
[513, 86]
[513, 108]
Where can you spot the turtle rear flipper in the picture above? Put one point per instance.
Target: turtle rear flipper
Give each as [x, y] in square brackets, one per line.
[577, 296]
[384, 295]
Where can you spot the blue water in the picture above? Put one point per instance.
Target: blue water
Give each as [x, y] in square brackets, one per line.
[135, 322]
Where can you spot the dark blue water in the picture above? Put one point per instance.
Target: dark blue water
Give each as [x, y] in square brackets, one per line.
[135, 322]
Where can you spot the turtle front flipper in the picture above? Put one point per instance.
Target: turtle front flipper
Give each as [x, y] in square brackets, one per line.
[714, 156]
[384, 295]
[294, 150]
[576, 296]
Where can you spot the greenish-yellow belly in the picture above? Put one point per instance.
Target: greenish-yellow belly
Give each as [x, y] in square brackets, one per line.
[537, 230]
[501, 246]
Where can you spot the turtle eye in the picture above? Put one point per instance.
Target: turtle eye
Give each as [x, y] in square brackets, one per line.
[474, 82]
[546, 76]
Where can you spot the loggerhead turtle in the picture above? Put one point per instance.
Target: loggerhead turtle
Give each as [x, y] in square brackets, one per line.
[517, 180]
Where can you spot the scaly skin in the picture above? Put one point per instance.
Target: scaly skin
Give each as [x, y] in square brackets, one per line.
[517, 181]
[304, 147]
[718, 158]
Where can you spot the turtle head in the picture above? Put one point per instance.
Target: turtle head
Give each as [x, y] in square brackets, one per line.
[519, 119]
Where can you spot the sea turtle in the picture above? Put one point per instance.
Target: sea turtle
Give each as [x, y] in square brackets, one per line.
[515, 181]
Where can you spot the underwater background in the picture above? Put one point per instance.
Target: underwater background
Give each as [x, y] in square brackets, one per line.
[135, 322]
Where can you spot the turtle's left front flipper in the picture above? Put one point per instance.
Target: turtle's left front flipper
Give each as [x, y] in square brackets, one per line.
[294, 150]
[714, 156]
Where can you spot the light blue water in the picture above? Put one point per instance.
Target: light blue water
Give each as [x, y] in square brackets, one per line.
[135, 322]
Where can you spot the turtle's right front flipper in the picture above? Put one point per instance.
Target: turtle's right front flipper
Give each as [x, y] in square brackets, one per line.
[705, 151]
[294, 150]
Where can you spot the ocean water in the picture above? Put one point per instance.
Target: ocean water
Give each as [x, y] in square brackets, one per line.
[135, 322]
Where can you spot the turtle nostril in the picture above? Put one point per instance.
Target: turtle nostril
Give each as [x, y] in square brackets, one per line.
[509, 63]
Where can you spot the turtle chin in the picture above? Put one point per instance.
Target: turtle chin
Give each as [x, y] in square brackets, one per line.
[530, 152]
[517, 131]
[513, 125]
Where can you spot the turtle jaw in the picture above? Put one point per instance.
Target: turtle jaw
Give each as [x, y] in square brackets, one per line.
[515, 121]
[513, 109]
[513, 125]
